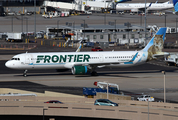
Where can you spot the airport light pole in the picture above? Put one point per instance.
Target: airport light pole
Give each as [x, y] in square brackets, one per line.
[73, 26]
[22, 23]
[44, 113]
[26, 24]
[148, 109]
[84, 28]
[104, 18]
[164, 86]
[176, 29]
[145, 21]
[165, 19]
[107, 91]
[57, 26]
[12, 24]
[115, 31]
[128, 25]
[35, 17]
[140, 20]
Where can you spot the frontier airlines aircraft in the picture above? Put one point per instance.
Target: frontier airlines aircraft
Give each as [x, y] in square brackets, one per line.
[83, 62]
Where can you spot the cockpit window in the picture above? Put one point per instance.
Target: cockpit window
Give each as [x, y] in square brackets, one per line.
[15, 59]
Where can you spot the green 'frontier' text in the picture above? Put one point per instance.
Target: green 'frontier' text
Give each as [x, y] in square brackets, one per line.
[62, 58]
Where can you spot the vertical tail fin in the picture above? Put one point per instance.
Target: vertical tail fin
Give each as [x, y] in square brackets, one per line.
[175, 3]
[155, 45]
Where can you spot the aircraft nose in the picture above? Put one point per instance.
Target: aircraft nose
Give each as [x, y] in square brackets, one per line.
[8, 64]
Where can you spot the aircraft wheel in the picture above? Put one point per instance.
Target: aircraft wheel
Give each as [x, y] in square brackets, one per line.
[94, 73]
[25, 75]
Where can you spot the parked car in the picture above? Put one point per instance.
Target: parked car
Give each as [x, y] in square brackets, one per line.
[89, 44]
[105, 102]
[146, 98]
[54, 101]
[96, 49]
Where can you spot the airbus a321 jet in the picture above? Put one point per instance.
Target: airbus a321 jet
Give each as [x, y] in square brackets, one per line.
[83, 62]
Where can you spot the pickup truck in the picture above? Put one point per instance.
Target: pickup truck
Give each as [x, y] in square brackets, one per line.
[172, 60]
[146, 98]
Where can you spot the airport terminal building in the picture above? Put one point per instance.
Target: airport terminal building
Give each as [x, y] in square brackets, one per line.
[120, 34]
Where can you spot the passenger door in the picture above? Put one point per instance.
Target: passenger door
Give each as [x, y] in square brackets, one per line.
[27, 59]
[101, 58]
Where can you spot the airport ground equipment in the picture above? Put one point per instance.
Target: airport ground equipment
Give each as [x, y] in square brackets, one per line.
[172, 60]
[146, 98]
[101, 87]
[14, 37]
[104, 85]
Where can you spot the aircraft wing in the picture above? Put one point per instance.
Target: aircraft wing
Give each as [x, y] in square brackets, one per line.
[143, 8]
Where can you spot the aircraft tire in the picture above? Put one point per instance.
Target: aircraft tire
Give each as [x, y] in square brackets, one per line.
[25, 75]
[94, 73]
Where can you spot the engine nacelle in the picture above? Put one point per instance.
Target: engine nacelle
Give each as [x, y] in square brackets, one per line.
[79, 70]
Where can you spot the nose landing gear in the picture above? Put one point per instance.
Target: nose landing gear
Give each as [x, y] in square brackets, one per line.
[25, 73]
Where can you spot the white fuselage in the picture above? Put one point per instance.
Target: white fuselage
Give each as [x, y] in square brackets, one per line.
[66, 60]
[138, 6]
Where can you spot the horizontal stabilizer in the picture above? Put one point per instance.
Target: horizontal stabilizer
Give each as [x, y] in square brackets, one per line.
[160, 55]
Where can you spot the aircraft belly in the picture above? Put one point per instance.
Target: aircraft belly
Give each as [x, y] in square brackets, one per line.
[119, 65]
[47, 66]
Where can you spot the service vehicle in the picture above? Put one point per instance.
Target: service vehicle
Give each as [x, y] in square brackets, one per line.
[146, 98]
[14, 37]
[89, 44]
[96, 49]
[101, 87]
[172, 60]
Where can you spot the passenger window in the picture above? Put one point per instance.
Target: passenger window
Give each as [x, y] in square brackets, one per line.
[101, 36]
[94, 36]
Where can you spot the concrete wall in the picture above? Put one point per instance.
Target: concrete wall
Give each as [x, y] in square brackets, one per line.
[83, 107]
[112, 96]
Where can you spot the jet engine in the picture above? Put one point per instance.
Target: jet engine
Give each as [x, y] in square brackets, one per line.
[79, 70]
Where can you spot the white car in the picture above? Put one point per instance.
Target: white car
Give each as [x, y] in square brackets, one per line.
[146, 98]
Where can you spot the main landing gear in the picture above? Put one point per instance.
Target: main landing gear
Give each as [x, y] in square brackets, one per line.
[25, 73]
[94, 73]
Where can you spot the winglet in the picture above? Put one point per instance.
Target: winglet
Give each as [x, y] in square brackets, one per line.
[79, 48]
[150, 4]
